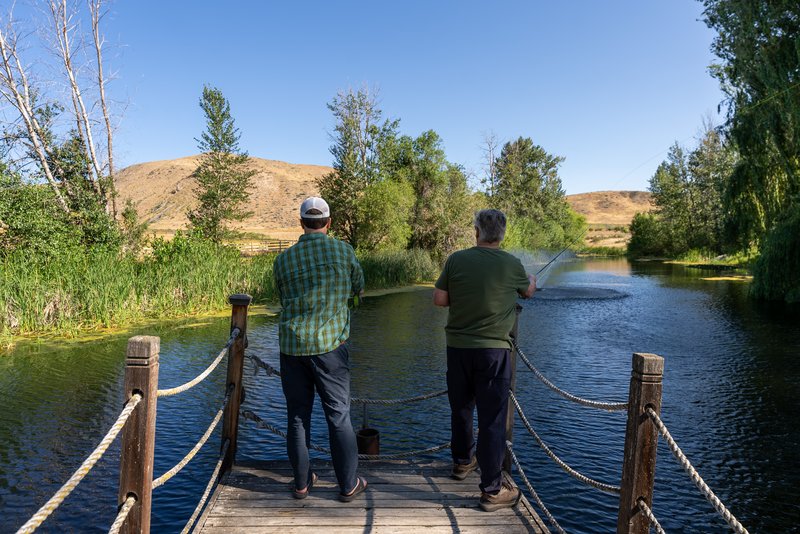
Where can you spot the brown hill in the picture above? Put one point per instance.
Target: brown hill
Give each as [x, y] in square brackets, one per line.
[609, 213]
[610, 207]
[162, 192]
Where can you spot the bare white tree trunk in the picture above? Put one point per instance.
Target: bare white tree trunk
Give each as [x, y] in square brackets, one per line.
[96, 11]
[489, 148]
[64, 29]
[15, 88]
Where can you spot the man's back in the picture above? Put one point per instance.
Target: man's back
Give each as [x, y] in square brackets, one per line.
[483, 285]
[314, 279]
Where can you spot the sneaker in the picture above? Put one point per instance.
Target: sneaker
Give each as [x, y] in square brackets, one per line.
[460, 471]
[505, 498]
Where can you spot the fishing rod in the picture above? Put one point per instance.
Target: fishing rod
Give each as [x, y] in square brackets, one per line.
[554, 258]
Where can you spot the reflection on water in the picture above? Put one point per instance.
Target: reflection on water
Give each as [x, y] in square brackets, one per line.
[730, 397]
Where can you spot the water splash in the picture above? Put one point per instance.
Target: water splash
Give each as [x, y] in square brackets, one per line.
[535, 260]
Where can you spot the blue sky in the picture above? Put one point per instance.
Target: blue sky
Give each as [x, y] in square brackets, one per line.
[608, 85]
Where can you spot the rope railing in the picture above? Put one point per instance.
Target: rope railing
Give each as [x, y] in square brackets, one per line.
[160, 481]
[406, 400]
[694, 475]
[608, 406]
[650, 516]
[258, 363]
[55, 501]
[563, 465]
[122, 515]
[532, 491]
[213, 480]
[261, 423]
[202, 376]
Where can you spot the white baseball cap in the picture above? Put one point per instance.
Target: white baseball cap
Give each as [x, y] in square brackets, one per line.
[314, 203]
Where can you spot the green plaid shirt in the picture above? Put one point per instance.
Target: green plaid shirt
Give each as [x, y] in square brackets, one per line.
[314, 279]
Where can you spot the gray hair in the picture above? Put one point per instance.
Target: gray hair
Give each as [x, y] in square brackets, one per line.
[491, 225]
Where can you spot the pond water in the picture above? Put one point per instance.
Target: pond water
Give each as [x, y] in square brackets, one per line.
[730, 400]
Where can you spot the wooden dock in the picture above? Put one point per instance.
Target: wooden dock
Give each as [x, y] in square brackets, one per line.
[402, 497]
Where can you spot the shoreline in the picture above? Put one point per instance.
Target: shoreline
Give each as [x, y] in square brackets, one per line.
[190, 320]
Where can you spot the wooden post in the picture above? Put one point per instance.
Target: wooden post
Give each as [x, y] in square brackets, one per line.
[139, 433]
[230, 419]
[641, 442]
[513, 387]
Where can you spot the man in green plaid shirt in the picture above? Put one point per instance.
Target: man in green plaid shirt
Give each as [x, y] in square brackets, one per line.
[314, 279]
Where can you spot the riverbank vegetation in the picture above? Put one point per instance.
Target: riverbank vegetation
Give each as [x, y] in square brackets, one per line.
[736, 196]
[88, 288]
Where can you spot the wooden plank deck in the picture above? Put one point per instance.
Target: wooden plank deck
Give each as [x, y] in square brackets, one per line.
[402, 497]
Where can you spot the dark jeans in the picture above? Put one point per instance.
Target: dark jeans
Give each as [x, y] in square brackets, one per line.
[329, 373]
[479, 377]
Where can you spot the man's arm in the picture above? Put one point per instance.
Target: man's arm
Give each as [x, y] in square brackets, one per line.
[441, 298]
[531, 288]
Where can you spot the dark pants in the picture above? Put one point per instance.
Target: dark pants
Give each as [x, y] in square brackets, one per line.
[329, 373]
[479, 377]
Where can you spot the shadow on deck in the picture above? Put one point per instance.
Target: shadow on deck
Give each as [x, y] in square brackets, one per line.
[402, 497]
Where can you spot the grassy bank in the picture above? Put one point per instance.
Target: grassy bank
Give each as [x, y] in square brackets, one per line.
[82, 290]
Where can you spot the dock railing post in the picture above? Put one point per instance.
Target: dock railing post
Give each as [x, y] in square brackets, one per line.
[513, 387]
[641, 443]
[139, 432]
[230, 419]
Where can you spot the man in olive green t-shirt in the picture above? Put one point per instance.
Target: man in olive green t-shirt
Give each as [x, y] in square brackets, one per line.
[481, 285]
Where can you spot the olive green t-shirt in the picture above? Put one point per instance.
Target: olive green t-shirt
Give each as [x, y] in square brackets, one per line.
[483, 285]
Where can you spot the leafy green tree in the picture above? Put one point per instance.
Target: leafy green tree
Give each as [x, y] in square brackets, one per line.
[440, 217]
[757, 43]
[776, 276]
[528, 189]
[647, 236]
[31, 219]
[133, 230]
[358, 137]
[687, 192]
[385, 208]
[223, 179]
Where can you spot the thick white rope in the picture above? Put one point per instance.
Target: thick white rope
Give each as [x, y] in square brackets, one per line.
[87, 465]
[122, 515]
[207, 492]
[563, 465]
[608, 406]
[533, 493]
[199, 378]
[693, 474]
[160, 481]
[650, 516]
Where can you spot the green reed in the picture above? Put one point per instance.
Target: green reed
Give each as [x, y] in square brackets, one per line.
[85, 289]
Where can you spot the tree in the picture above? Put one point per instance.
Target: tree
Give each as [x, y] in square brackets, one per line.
[757, 43]
[687, 193]
[37, 104]
[357, 141]
[647, 236]
[223, 179]
[529, 191]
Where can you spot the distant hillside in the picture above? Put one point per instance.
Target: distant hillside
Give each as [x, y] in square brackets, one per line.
[162, 191]
[609, 213]
[610, 207]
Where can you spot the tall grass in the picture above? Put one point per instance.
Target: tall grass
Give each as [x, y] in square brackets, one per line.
[85, 289]
[398, 268]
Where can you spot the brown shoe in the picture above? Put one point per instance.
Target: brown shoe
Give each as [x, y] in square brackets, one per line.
[460, 471]
[505, 498]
